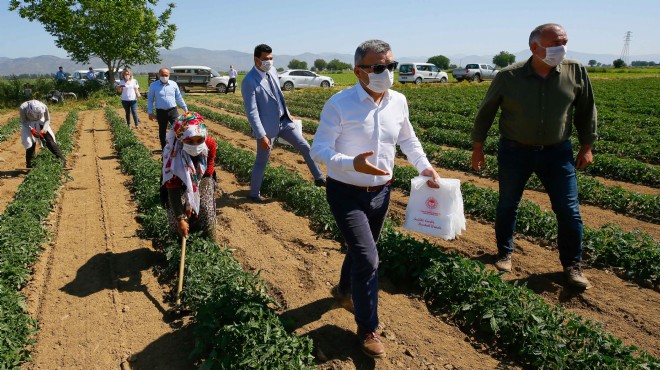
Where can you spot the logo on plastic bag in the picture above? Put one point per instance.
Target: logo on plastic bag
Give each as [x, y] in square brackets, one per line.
[431, 203]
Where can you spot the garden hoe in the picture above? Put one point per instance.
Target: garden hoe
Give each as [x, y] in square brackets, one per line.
[181, 268]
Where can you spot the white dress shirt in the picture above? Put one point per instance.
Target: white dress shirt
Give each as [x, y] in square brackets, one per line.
[352, 123]
[233, 73]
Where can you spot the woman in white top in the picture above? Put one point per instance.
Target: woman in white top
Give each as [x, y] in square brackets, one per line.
[129, 89]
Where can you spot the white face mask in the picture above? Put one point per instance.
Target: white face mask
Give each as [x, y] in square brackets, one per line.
[266, 65]
[554, 55]
[379, 83]
[164, 79]
[194, 150]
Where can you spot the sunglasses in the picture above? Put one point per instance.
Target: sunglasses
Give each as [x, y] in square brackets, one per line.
[380, 68]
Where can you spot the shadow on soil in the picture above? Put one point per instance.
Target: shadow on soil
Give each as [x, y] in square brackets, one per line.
[165, 352]
[96, 275]
[331, 342]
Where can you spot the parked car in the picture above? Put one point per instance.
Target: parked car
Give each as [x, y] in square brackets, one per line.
[81, 75]
[188, 77]
[297, 78]
[100, 75]
[420, 73]
[475, 72]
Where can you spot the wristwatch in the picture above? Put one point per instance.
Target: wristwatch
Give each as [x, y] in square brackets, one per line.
[182, 217]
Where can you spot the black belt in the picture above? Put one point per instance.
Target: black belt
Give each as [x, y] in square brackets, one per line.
[166, 109]
[518, 145]
[368, 189]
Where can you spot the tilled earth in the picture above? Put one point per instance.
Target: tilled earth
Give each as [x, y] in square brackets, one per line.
[100, 305]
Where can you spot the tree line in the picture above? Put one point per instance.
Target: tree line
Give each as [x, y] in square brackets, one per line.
[320, 65]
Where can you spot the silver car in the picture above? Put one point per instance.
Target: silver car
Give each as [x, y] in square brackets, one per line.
[298, 78]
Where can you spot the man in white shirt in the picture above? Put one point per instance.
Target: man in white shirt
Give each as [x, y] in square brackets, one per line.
[232, 79]
[356, 139]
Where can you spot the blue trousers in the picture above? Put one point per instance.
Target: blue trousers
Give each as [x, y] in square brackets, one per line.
[555, 167]
[130, 106]
[360, 216]
[288, 133]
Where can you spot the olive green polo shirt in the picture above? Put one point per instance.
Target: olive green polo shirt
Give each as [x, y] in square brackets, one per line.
[537, 110]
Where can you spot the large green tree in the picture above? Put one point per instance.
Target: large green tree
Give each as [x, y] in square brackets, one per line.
[297, 64]
[619, 63]
[119, 32]
[337, 65]
[503, 59]
[320, 64]
[440, 61]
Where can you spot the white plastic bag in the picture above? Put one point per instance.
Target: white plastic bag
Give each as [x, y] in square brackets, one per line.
[298, 125]
[436, 212]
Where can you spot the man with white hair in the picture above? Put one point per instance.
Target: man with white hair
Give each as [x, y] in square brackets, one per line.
[35, 121]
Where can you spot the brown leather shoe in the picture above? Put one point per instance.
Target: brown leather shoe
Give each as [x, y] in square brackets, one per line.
[371, 345]
[344, 299]
[575, 276]
[503, 263]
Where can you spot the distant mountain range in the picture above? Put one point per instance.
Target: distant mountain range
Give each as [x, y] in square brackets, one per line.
[221, 59]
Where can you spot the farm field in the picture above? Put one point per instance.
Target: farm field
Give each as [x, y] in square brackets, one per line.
[101, 293]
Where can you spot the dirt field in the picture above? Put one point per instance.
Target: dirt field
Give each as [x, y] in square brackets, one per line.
[99, 304]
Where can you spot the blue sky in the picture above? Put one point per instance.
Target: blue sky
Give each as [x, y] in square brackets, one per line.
[412, 27]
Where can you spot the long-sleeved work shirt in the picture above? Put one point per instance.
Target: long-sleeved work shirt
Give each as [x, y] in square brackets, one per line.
[537, 110]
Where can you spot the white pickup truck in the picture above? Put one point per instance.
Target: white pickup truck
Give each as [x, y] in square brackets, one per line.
[475, 72]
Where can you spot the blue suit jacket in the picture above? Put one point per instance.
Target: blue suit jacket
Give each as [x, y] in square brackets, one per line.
[260, 103]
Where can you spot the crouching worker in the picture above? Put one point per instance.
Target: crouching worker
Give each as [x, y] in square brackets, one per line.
[189, 177]
[35, 127]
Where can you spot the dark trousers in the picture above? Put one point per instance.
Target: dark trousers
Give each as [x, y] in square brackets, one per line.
[50, 144]
[360, 216]
[130, 107]
[165, 118]
[232, 81]
[555, 167]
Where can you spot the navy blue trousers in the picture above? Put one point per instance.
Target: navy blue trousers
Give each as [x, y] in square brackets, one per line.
[555, 167]
[360, 216]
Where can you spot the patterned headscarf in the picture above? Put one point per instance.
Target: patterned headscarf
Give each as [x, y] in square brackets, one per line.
[177, 162]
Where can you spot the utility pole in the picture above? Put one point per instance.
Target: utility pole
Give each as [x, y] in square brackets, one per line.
[624, 53]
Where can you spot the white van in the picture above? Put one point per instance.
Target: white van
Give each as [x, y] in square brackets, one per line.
[420, 73]
[188, 74]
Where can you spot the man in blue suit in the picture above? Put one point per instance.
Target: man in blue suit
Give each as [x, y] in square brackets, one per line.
[269, 117]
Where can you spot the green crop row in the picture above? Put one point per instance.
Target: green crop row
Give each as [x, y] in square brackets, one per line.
[455, 133]
[235, 326]
[637, 253]
[22, 233]
[8, 129]
[623, 132]
[606, 165]
[535, 334]
[639, 256]
[590, 190]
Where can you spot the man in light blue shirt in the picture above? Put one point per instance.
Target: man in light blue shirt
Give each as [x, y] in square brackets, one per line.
[164, 94]
[91, 75]
[60, 76]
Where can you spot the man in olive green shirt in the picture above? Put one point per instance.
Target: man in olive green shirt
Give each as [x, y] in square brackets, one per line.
[540, 100]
